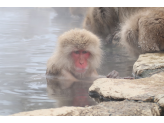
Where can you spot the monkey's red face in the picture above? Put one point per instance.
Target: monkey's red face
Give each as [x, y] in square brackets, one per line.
[80, 59]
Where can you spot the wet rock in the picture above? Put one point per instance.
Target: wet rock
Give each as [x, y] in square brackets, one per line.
[122, 108]
[113, 108]
[148, 64]
[148, 89]
[63, 111]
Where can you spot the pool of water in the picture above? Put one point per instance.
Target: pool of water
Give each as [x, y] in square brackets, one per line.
[27, 39]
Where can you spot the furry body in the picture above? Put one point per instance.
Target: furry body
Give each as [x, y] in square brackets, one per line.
[61, 63]
[139, 29]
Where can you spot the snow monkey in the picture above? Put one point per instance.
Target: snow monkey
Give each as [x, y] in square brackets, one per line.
[139, 29]
[102, 21]
[144, 31]
[77, 56]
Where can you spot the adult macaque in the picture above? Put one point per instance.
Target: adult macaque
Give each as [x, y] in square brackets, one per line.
[102, 21]
[140, 29]
[144, 31]
[77, 56]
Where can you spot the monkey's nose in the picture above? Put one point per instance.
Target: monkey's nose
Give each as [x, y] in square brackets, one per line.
[81, 62]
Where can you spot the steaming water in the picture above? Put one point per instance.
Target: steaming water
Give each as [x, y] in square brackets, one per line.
[27, 39]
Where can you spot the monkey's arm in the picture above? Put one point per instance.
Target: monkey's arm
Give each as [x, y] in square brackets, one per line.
[63, 74]
[68, 75]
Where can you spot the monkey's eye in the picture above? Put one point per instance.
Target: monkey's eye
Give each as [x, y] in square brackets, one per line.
[76, 52]
[84, 52]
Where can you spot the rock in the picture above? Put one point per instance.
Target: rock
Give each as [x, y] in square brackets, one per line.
[144, 90]
[148, 64]
[122, 108]
[160, 100]
[64, 111]
[113, 108]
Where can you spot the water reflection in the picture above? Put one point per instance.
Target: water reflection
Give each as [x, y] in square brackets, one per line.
[69, 93]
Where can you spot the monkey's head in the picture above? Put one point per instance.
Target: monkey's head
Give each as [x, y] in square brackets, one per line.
[102, 21]
[78, 51]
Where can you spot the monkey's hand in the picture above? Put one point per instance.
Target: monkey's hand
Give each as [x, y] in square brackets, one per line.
[113, 74]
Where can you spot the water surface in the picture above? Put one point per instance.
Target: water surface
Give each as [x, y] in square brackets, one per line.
[27, 39]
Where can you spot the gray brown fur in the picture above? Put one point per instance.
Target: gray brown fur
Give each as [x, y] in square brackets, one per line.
[75, 39]
[101, 21]
[144, 31]
[139, 29]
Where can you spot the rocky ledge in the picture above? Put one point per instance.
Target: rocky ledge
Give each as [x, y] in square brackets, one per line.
[114, 108]
[145, 90]
[148, 64]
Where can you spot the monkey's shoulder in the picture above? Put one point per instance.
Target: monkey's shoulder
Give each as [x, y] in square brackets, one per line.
[53, 72]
